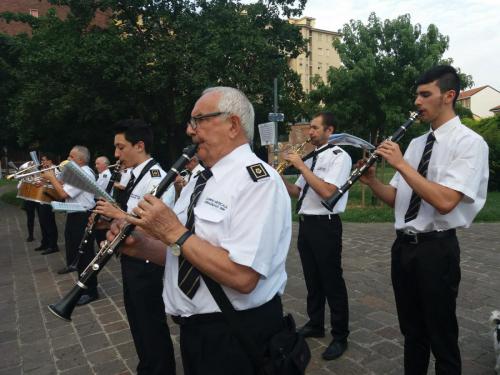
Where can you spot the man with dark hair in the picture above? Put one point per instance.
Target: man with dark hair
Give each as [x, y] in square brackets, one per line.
[46, 216]
[320, 233]
[440, 185]
[142, 279]
[77, 221]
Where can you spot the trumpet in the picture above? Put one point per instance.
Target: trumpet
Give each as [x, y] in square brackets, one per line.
[64, 308]
[298, 149]
[22, 170]
[20, 175]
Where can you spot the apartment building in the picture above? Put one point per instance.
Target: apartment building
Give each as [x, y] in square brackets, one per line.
[321, 54]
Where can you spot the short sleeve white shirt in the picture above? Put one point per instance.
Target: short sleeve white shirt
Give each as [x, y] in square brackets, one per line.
[148, 182]
[77, 195]
[459, 161]
[332, 166]
[103, 178]
[250, 219]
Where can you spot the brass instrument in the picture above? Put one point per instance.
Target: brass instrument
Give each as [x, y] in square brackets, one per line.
[298, 149]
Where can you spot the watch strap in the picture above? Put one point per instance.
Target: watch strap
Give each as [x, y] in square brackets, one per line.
[180, 241]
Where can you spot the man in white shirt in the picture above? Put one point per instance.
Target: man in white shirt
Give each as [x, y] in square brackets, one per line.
[77, 221]
[103, 172]
[142, 279]
[440, 184]
[320, 233]
[233, 224]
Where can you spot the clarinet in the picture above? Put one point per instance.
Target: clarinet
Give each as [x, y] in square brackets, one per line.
[93, 219]
[358, 172]
[64, 308]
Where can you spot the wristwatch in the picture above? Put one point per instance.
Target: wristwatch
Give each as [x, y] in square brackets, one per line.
[175, 248]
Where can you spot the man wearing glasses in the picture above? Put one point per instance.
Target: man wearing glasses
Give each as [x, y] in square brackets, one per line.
[231, 223]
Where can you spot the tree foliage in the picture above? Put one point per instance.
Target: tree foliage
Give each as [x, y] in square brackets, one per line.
[373, 91]
[74, 79]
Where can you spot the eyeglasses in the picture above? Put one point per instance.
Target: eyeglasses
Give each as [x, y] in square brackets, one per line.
[194, 121]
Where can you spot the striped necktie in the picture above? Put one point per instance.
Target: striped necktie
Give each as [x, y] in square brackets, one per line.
[189, 277]
[415, 200]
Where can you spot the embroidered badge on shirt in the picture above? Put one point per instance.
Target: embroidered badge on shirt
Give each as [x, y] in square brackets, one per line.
[257, 172]
[104, 175]
[335, 152]
[155, 172]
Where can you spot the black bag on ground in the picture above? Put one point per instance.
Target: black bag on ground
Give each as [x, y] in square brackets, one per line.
[288, 352]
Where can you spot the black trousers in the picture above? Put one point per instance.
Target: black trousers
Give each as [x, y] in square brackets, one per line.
[208, 346]
[30, 208]
[142, 292]
[320, 250]
[73, 234]
[425, 278]
[48, 226]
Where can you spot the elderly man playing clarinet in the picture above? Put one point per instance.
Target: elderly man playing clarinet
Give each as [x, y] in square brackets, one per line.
[232, 223]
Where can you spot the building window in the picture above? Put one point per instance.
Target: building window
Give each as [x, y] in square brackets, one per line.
[34, 12]
[327, 52]
[320, 51]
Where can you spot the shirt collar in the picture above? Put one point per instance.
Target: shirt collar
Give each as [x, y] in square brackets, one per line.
[224, 165]
[137, 170]
[446, 129]
[321, 147]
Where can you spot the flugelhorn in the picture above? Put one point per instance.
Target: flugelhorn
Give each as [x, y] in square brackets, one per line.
[298, 149]
[64, 308]
[358, 172]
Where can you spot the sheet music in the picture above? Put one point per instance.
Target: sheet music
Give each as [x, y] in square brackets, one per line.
[67, 207]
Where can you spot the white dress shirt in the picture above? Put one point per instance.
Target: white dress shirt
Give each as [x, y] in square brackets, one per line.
[250, 219]
[459, 161]
[332, 166]
[103, 179]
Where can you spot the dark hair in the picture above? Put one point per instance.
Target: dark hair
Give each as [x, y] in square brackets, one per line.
[49, 155]
[136, 130]
[446, 77]
[327, 118]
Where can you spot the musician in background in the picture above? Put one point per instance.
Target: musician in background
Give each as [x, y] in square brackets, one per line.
[142, 279]
[103, 177]
[320, 233]
[440, 184]
[46, 216]
[237, 232]
[103, 172]
[77, 221]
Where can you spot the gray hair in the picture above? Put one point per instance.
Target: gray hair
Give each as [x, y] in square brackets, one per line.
[83, 153]
[235, 102]
[104, 159]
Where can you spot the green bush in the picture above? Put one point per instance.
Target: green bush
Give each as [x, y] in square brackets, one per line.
[489, 129]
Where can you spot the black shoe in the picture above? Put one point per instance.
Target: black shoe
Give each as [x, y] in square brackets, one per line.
[309, 331]
[68, 269]
[49, 251]
[41, 247]
[30, 239]
[87, 298]
[334, 350]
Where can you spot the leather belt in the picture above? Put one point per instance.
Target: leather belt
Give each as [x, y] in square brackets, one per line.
[411, 237]
[304, 217]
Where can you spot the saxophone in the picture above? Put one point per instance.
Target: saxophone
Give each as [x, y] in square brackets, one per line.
[298, 149]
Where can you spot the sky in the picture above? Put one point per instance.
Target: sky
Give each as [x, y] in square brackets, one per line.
[472, 26]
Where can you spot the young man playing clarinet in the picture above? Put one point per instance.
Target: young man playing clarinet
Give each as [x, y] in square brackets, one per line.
[440, 185]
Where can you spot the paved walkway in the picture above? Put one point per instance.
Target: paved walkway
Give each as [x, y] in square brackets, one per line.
[97, 341]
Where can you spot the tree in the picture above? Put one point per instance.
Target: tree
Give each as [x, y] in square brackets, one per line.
[152, 62]
[373, 91]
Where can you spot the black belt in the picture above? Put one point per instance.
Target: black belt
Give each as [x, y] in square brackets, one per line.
[215, 316]
[304, 217]
[415, 238]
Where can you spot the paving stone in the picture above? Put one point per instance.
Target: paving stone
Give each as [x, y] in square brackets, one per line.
[98, 340]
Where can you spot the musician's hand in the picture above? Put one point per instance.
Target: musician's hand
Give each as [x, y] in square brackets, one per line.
[48, 175]
[132, 244]
[390, 151]
[105, 208]
[294, 159]
[369, 175]
[179, 183]
[157, 220]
